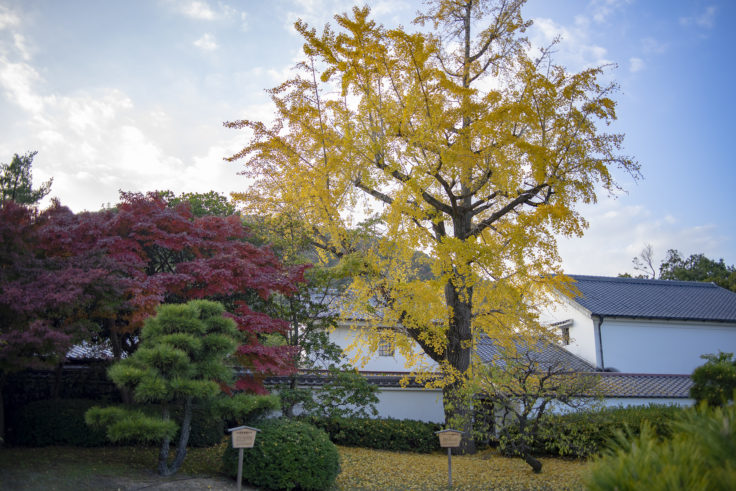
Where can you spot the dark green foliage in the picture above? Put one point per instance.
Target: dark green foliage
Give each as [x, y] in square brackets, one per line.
[287, 454]
[699, 455]
[715, 381]
[202, 204]
[55, 422]
[245, 409]
[585, 433]
[61, 422]
[16, 181]
[171, 369]
[207, 427]
[346, 394]
[697, 267]
[404, 435]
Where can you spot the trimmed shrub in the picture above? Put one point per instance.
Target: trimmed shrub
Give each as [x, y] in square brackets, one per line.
[585, 433]
[55, 422]
[287, 454]
[404, 435]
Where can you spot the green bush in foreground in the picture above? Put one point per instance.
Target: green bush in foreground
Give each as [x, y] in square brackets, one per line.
[586, 433]
[700, 455]
[404, 435]
[287, 454]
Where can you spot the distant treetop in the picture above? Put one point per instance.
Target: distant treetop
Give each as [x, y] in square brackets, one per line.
[16, 182]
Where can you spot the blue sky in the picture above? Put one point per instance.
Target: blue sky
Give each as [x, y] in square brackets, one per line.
[132, 95]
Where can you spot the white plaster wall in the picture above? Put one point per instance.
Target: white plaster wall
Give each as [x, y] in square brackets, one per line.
[582, 333]
[657, 346]
[410, 403]
[373, 362]
[632, 401]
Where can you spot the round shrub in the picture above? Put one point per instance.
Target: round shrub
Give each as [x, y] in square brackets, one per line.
[55, 422]
[287, 454]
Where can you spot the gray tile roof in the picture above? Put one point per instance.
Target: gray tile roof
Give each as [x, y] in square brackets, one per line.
[317, 378]
[90, 351]
[644, 385]
[655, 299]
[543, 352]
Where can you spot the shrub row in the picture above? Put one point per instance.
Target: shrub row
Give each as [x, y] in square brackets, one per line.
[61, 422]
[54, 422]
[383, 434]
[586, 433]
[287, 454]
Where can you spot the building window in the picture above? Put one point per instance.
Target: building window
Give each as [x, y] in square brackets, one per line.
[565, 331]
[564, 327]
[385, 348]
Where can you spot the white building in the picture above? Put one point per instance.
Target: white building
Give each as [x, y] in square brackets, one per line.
[643, 337]
[634, 325]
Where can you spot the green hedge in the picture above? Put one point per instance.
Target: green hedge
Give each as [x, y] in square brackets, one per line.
[383, 434]
[586, 433]
[55, 422]
[207, 429]
[61, 422]
[287, 454]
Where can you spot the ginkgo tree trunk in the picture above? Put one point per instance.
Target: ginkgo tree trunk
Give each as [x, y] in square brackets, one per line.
[460, 142]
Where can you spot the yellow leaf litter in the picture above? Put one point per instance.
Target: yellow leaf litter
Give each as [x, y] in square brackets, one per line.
[374, 469]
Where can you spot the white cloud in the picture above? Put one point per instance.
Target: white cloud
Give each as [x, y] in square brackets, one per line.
[20, 44]
[206, 43]
[653, 46]
[17, 79]
[575, 49]
[197, 10]
[202, 10]
[8, 18]
[603, 8]
[706, 19]
[94, 142]
[619, 231]
[636, 65]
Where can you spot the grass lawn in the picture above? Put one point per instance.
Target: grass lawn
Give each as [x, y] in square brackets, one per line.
[71, 468]
[75, 468]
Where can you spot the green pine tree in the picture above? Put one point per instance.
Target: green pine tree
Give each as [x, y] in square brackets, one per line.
[181, 360]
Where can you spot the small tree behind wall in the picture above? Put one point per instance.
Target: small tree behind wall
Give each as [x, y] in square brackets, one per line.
[521, 385]
[181, 359]
[715, 381]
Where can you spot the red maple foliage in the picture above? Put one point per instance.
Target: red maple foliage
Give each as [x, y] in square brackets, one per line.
[65, 277]
[174, 256]
[50, 286]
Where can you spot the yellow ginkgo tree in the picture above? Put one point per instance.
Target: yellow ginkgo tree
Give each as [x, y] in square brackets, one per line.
[464, 149]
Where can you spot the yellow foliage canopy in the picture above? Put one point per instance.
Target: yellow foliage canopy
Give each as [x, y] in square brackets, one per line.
[467, 153]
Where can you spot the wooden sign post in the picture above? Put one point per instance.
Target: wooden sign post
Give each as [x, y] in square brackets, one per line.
[449, 439]
[243, 437]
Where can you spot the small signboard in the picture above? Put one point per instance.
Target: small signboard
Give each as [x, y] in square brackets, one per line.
[243, 436]
[450, 438]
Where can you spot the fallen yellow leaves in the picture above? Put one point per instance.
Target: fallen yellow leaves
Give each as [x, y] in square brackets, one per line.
[375, 469]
